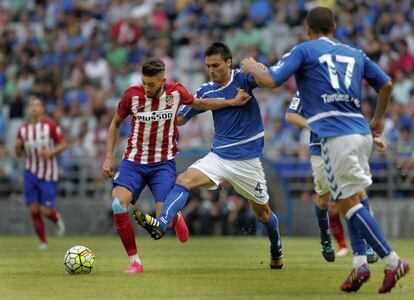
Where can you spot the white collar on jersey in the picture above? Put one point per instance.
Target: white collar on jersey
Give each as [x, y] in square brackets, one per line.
[228, 83]
[326, 39]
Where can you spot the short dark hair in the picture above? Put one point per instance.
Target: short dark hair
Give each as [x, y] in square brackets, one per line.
[152, 66]
[219, 48]
[321, 20]
[36, 97]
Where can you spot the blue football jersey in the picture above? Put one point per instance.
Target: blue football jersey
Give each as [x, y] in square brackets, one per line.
[296, 106]
[238, 131]
[329, 76]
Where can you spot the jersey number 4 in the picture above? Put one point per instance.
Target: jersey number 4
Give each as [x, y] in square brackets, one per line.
[333, 74]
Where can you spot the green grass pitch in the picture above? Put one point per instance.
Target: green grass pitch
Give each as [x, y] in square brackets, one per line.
[204, 268]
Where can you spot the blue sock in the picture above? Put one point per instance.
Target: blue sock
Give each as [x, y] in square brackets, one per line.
[359, 247]
[272, 228]
[367, 226]
[365, 203]
[175, 201]
[323, 221]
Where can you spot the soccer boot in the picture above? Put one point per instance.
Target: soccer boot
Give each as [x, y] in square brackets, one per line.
[392, 276]
[43, 246]
[328, 251]
[180, 227]
[276, 262]
[372, 257]
[135, 267]
[150, 224]
[343, 251]
[356, 279]
[60, 226]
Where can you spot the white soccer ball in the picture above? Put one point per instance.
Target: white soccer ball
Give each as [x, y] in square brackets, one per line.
[79, 260]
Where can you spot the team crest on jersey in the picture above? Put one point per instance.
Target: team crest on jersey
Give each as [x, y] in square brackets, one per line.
[169, 100]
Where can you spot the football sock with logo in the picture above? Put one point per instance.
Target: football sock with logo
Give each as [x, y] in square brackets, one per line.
[337, 229]
[124, 228]
[323, 222]
[272, 228]
[53, 216]
[39, 226]
[362, 221]
[176, 199]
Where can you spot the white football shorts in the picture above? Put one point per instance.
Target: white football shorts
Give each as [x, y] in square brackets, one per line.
[346, 160]
[319, 176]
[245, 176]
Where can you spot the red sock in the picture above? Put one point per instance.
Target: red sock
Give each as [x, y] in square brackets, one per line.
[337, 229]
[39, 226]
[53, 215]
[126, 232]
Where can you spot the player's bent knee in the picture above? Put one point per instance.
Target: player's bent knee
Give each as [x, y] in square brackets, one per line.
[117, 208]
[34, 208]
[346, 204]
[184, 180]
[263, 215]
[323, 201]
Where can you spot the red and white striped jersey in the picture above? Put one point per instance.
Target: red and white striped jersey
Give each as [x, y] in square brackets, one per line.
[37, 137]
[154, 132]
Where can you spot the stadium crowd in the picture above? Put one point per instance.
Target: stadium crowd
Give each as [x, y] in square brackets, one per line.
[79, 56]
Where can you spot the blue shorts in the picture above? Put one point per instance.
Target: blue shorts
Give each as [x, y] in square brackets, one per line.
[39, 190]
[160, 178]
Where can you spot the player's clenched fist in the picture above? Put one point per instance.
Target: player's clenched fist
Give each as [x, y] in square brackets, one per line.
[248, 64]
[377, 126]
[108, 168]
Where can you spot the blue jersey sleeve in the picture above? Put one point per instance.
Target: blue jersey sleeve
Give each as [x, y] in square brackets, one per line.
[295, 105]
[188, 112]
[251, 82]
[287, 66]
[375, 76]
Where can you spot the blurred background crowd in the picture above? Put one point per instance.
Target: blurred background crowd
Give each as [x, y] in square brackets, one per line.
[79, 57]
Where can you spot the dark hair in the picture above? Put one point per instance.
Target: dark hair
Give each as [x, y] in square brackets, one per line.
[219, 48]
[36, 97]
[153, 66]
[321, 20]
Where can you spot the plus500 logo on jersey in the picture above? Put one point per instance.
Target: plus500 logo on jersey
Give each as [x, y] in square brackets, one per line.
[152, 116]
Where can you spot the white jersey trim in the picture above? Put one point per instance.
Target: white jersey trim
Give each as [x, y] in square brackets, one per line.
[221, 88]
[255, 137]
[134, 138]
[333, 113]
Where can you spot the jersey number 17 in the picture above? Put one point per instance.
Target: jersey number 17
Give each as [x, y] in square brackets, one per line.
[332, 70]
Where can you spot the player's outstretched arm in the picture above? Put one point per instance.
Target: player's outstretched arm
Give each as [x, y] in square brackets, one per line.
[113, 132]
[260, 74]
[211, 104]
[384, 96]
[296, 119]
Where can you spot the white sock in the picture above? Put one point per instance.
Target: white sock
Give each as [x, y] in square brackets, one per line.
[135, 258]
[358, 260]
[391, 261]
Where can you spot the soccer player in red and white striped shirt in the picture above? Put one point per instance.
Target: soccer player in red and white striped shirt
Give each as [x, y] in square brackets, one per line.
[41, 141]
[152, 147]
